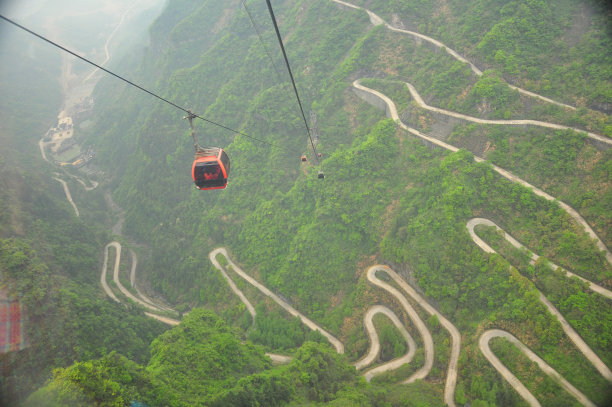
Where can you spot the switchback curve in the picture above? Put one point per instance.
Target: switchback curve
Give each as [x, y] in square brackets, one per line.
[567, 328]
[513, 122]
[451, 379]
[124, 291]
[377, 20]
[392, 112]
[264, 290]
[370, 357]
[451, 374]
[483, 343]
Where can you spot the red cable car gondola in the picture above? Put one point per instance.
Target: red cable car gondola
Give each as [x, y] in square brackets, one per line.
[211, 165]
[210, 169]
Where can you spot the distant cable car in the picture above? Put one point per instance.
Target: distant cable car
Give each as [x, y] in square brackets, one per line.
[304, 159]
[211, 168]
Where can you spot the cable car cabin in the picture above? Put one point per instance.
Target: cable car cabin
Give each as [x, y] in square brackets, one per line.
[303, 158]
[211, 168]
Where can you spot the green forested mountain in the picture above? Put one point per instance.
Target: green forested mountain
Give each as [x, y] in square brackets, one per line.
[388, 197]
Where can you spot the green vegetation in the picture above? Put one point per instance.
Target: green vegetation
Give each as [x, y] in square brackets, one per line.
[392, 343]
[588, 312]
[200, 357]
[555, 48]
[530, 374]
[273, 330]
[201, 362]
[387, 198]
[563, 163]
[112, 380]
[64, 319]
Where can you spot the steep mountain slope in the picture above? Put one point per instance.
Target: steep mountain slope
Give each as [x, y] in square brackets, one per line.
[49, 258]
[388, 197]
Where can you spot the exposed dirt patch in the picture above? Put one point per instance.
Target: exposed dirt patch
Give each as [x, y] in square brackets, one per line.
[389, 58]
[581, 23]
[464, 94]
[337, 299]
[443, 9]
[350, 106]
[224, 20]
[388, 216]
[15, 197]
[587, 163]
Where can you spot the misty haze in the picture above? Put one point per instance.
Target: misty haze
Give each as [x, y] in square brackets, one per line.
[301, 203]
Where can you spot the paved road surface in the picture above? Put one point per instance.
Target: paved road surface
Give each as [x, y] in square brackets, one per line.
[124, 290]
[374, 340]
[310, 324]
[483, 343]
[567, 328]
[110, 293]
[451, 374]
[105, 286]
[534, 257]
[417, 97]
[68, 196]
[109, 39]
[376, 20]
[213, 258]
[372, 354]
[409, 309]
[392, 113]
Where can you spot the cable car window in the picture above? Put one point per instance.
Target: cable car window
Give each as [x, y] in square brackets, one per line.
[226, 162]
[208, 175]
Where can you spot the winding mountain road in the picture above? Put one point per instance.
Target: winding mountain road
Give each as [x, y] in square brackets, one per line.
[451, 374]
[93, 186]
[455, 336]
[105, 286]
[68, 195]
[213, 259]
[483, 343]
[144, 301]
[472, 223]
[264, 290]
[135, 287]
[374, 350]
[124, 291]
[517, 122]
[41, 146]
[122, 288]
[411, 312]
[377, 20]
[391, 110]
[567, 328]
[109, 39]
